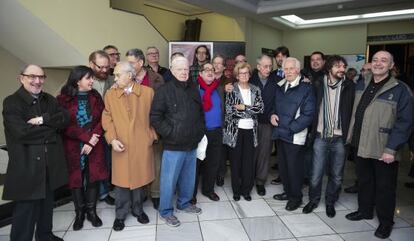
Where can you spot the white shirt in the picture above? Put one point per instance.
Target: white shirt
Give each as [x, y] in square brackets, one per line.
[247, 100]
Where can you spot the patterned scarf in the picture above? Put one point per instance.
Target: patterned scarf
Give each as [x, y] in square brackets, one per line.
[208, 90]
[84, 118]
[331, 118]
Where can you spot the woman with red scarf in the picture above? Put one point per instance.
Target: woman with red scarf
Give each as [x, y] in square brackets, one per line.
[211, 93]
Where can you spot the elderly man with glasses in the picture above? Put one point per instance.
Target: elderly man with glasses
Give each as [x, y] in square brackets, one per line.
[153, 58]
[32, 123]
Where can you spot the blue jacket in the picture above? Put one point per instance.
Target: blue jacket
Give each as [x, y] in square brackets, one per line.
[295, 109]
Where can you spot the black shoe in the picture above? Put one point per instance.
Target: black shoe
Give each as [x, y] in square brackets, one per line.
[352, 189]
[193, 201]
[281, 196]
[79, 219]
[143, 218]
[92, 217]
[118, 224]
[236, 197]
[309, 207]
[109, 200]
[330, 211]
[247, 197]
[261, 190]
[383, 231]
[276, 181]
[293, 205]
[220, 181]
[53, 237]
[213, 197]
[357, 215]
[155, 202]
[409, 184]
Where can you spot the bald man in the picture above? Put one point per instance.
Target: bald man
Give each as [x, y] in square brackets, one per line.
[178, 117]
[32, 123]
[382, 120]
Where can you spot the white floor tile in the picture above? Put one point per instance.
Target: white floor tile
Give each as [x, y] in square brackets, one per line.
[224, 230]
[62, 221]
[302, 225]
[183, 217]
[398, 222]
[253, 208]
[342, 225]
[5, 230]
[402, 234]
[184, 232]
[360, 236]
[334, 237]
[265, 228]
[141, 233]
[216, 211]
[84, 235]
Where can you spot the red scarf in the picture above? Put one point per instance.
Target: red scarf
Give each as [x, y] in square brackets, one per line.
[208, 90]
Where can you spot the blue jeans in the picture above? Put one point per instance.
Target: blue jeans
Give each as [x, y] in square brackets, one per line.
[328, 153]
[178, 170]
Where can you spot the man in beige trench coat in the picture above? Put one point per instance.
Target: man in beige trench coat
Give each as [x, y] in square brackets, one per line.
[125, 120]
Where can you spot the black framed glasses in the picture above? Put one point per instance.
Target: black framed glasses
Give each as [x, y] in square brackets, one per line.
[101, 67]
[33, 76]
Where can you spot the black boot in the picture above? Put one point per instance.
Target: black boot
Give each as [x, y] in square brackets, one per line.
[91, 197]
[77, 195]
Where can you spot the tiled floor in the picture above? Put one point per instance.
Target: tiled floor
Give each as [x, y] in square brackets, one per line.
[263, 218]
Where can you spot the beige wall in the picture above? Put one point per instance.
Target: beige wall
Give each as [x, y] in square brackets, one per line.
[393, 27]
[331, 40]
[90, 25]
[260, 36]
[217, 27]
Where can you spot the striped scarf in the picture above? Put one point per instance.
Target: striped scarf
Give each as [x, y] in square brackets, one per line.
[331, 118]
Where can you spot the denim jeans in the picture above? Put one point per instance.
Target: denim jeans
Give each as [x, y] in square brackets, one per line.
[177, 171]
[328, 153]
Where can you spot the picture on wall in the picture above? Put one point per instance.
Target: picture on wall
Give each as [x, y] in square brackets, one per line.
[188, 49]
[228, 49]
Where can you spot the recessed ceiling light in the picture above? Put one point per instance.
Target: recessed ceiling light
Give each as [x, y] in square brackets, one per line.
[298, 21]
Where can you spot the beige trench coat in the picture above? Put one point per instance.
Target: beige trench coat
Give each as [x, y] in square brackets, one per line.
[126, 118]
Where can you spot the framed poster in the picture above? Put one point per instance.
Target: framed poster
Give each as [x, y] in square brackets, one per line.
[188, 49]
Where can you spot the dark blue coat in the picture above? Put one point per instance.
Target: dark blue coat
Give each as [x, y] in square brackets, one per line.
[295, 109]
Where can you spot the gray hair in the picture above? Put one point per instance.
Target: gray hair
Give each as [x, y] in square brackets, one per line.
[290, 59]
[152, 47]
[177, 59]
[126, 67]
[26, 66]
[137, 53]
[263, 56]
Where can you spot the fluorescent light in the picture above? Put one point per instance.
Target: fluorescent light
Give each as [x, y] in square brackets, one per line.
[298, 21]
[389, 13]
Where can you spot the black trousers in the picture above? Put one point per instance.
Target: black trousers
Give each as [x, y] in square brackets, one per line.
[209, 167]
[242, 163]
[30, 213]
[291, 169]
[377, 183]
[225, 155]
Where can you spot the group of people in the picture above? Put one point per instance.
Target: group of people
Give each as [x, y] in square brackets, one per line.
[136, 128]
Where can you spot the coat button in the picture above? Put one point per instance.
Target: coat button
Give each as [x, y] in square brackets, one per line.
[38, 158]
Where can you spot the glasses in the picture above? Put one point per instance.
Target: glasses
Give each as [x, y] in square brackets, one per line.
[153, 53]
[33, 76]
[101, 67]
[244, 73]
[114, 54]
[208, 70]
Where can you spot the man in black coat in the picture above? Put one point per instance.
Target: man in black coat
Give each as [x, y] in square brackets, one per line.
[32, 120]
